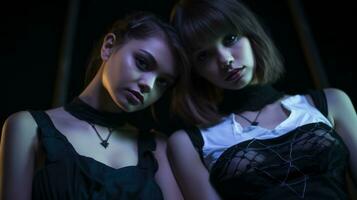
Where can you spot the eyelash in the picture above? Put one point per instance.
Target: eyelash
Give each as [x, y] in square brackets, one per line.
[140, 62]
[204, 54]
[230, 39]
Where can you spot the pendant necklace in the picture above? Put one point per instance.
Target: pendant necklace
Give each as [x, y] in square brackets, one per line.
[104, 142]
[254, 122]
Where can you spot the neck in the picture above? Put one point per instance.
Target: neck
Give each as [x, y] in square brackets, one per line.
[250, 98]
[97, 96]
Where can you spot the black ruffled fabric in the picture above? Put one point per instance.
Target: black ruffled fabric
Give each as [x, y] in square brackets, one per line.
[67, 175]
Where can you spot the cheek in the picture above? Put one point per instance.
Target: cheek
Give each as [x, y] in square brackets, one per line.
[249, 57]
[122, 72]
[113, 67]
[247, 53]
[154, 96]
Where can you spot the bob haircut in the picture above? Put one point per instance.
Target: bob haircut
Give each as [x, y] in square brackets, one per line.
[143, 25]
[202, 21]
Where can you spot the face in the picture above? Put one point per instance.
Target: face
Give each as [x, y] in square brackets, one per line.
[227, 62]
[137, 73]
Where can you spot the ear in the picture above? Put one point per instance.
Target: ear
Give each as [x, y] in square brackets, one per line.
[107, 46]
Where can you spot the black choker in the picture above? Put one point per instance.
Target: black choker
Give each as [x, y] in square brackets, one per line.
[85, 112]
[250, 98]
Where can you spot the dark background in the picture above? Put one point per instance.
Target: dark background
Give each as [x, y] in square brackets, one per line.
[32, 38]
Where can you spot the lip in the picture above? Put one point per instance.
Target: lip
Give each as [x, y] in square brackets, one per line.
[235, 74]
[136, 96]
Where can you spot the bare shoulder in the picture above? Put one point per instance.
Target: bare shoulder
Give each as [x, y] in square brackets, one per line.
[332, 95]
[336, 96]
[178, 137]
[17, 155]
[19, 128]
[338, 102]
[340, 107]
[20, 118]
[19, 124]
[180, 143]
[181, 150]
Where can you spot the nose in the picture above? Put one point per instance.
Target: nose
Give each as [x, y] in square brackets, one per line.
[225, 58]
[146, 83]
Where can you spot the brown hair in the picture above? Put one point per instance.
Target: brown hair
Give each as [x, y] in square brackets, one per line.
[141, 25]
[201, 21]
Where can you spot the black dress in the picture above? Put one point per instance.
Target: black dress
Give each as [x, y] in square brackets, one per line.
[308, 162]
[68, 175]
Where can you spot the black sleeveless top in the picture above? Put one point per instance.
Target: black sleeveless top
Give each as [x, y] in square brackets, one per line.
[308, 162]
[68, 175]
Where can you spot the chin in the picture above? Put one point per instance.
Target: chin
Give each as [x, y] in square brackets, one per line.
[129, 108]
[124, 106]
[134, 108]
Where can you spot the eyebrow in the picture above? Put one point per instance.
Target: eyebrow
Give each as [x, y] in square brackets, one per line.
[153, 61]
[151, 58]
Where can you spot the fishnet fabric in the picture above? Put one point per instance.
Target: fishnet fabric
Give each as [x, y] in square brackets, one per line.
[287, 161]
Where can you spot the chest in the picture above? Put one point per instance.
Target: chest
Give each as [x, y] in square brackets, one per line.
[269, 117]
[122, 149]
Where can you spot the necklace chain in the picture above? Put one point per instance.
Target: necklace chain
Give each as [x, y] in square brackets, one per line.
[254, 122]
[104, 142]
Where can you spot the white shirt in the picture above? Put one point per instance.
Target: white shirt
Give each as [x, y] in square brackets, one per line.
[229, 132]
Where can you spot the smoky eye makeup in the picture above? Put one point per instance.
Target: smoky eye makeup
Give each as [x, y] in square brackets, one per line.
[230, 39]
[144, 60]
[141, 63]
[202, 56]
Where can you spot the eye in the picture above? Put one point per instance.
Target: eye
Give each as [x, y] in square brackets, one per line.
[230, 39]
[202, 56]
[142, 63]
